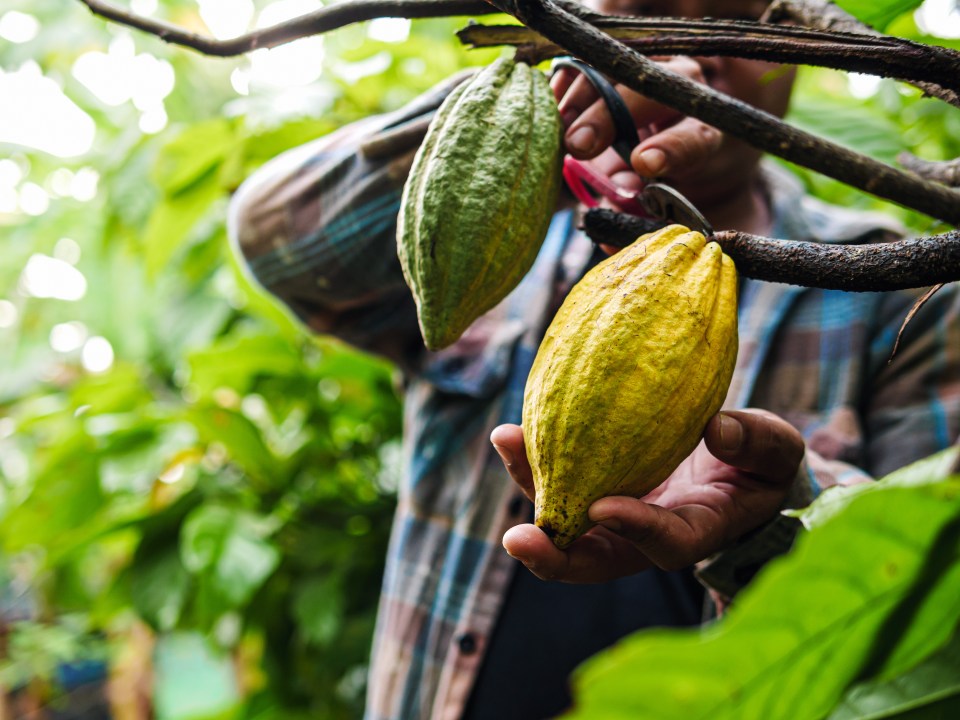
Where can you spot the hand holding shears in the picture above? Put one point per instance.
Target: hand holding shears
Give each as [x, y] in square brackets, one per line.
[656, 199]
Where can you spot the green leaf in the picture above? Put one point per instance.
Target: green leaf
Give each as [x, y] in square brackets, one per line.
[800, 635]
[173, 219]
[193, 680]
[929, 470]
[231, 548]
[934, 680]
[236, 362]
[159, 585]
[858, 127]
[878, 13]
[65, 497]
[193, 154]
[318, 609]
[241, 438]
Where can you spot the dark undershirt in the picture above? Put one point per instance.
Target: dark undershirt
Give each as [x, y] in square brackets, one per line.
[546, 629]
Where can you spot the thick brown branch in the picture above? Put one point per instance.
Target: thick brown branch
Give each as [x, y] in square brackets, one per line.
[321, 21]
[758, 128]
[913, 263]
[946, 172]
[936, 70]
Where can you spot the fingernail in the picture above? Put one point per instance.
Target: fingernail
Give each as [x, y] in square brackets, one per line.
[568, 116]
[731, 434]
[655, 161]
[505, 455]
[582, 139]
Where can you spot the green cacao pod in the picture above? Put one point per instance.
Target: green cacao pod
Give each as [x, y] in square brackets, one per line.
[479, 198]
[636, 361]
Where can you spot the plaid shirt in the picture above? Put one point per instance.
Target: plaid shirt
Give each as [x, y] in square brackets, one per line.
[316, 227]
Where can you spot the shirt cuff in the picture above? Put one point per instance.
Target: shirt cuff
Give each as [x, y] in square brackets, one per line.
[729, 571]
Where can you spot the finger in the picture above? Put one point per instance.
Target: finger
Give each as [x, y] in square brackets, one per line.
[508, 442]
[598, 556]
[669, 539]
[560, 83]
[684, 146]
[592, 131]
[578, 95]
[757, 442]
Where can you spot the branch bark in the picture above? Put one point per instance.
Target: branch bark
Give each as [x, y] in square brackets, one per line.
[946, 172]
[911, 263]
[828, 16]
[935, 70]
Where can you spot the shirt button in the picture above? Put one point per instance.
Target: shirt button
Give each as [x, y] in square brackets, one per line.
[467, 643]
[517, 506]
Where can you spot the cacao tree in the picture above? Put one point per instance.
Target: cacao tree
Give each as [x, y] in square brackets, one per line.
[212, 461]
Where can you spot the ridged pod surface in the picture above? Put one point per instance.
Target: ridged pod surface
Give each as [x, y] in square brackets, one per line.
[479, 198]
[634, 364]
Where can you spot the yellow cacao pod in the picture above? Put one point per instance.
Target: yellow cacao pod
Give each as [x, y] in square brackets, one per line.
[636, 361]
[478, 201]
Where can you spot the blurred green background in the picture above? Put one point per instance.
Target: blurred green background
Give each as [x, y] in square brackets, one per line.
[195, 493]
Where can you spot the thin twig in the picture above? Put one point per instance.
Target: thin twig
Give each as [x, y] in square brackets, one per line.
[324, 20]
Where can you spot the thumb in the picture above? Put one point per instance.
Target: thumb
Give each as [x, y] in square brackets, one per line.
[757, 442]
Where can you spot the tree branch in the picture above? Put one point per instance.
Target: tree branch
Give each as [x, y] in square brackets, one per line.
[760, 129]
[324, 20]
[565, 23]
[912, 263]
[946, 172]
[828, 16]
[935, 70]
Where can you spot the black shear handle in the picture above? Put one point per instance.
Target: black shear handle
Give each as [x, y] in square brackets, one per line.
[627, 137]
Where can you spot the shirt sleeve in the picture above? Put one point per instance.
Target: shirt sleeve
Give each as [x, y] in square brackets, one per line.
[911, 409]
[316, 227]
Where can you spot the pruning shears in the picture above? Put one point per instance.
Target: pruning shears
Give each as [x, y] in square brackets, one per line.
[656, 200]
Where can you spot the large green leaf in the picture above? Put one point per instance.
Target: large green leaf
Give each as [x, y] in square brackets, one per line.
[927, 471]
[64, 502]
[808, 626]
[935, 680]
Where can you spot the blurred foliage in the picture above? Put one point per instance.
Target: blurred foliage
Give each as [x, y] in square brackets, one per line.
[227, 473]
